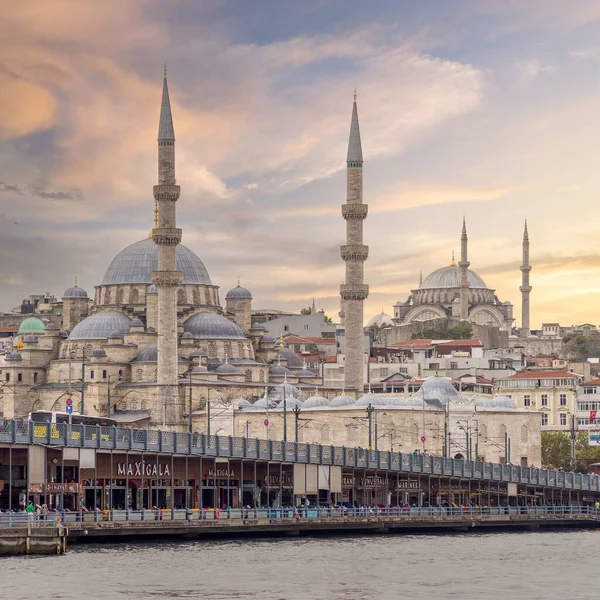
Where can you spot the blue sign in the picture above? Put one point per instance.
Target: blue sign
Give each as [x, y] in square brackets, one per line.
[69, 410]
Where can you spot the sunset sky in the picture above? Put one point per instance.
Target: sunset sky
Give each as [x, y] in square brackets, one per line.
[489, 109]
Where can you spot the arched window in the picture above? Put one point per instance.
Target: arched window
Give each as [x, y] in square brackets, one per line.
[180, 296]
[248, 376]
[352, 435]
[524, 434]
[135, 296]
[483, 432]
[326, 434]
[120, 295]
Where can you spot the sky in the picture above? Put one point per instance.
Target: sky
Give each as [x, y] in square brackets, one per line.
[487, 109]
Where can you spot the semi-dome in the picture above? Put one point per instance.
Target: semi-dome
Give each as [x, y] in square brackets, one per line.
[227, 369]
[75, 292]
[238, 292]
[136, 263]
[293, 360]
[31, 325]
[342, 400]
[208, 325]
[316, 401]
[449, 277]
[101, 325]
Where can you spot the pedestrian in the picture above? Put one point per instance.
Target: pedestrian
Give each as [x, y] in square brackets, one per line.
[30, 512]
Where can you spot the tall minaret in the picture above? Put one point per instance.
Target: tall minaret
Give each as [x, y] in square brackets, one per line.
[525, 287]
[354, 254]
[464, 278]
[167, 278]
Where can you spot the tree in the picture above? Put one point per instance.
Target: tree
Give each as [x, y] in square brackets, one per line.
[460, 332]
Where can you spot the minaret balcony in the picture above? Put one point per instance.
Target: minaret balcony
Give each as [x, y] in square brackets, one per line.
[354, 252]
[355, 211]
[167, 236]
[354, 291]
[166, 191]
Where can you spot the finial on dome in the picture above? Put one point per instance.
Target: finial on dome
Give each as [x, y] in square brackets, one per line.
[453, 263]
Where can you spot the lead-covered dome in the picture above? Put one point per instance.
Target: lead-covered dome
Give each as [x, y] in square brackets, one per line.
[208, 325]
[136, 263]
[449, 277]
[101, 325]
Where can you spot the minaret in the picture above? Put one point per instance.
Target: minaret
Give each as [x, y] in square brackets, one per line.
[525, 287]
[354, 254]
[167, 278]
[464, 278]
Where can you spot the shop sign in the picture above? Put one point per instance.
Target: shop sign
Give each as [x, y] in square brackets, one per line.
[140, 469]
[372, 482]
[288, 480]
[409, 485]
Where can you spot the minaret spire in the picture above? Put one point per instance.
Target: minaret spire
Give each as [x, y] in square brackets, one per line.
[354, 291]
[167, 279]
[525, 287]
[464, 277]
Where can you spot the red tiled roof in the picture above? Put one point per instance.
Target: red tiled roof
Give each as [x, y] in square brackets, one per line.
[542, 375]
[469, 343]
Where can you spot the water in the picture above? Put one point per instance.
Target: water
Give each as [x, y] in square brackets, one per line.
[490, 566]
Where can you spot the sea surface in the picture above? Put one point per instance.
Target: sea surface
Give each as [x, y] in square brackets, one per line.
[507, 566]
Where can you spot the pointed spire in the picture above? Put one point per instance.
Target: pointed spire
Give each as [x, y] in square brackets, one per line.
[354, 145]
[165, 124]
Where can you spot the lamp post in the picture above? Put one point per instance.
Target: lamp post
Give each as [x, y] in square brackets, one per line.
[370, 411]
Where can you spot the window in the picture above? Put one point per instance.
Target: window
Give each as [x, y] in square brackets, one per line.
[544, 419]
[104, 374]
[19, 377]
[544, 399]
[563, 399]
[527, 400]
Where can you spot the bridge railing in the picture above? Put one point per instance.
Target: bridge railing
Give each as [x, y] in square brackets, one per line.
[119, 438]
[53, 519]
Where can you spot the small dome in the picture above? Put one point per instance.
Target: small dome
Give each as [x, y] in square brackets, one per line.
[75, 292]
[258, 326]
[372, 399]
[52, 327]
[238, 292]
[227, 369]
[305, 373]
[152, 289]
[187, 336]
[137, 323]
[208, 325]
[342, 400]
[101, 325]
[279, 371]
[30, 339]
[13, 356]
[99, 352]
[148, 353]
[316, 401]
[31, 325]
[293, 360]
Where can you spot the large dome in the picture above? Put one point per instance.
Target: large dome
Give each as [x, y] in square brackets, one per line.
[136, 263]
[449, 277]
[100, 325]
[208, 325]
